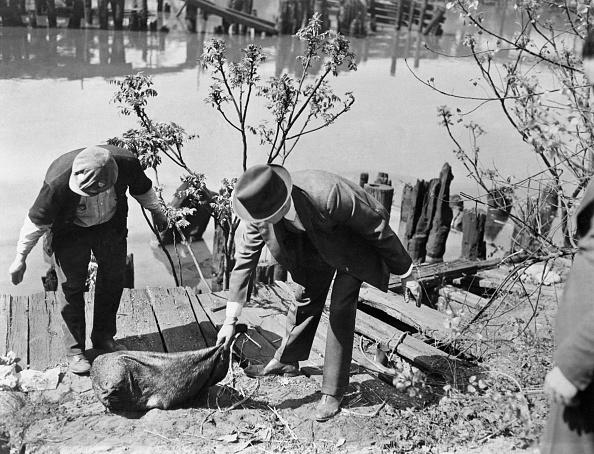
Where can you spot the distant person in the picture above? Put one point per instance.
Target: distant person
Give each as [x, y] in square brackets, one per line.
[570, 426]
[82, 208]
[319, 226]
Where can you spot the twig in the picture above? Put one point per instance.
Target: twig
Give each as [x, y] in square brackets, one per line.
[159, 435]
[281, 419]
[366, 415]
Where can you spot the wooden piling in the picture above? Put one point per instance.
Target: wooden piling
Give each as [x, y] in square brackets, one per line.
[382, 178]
[417, 245]
[218, 260]
[382, 192]
[363, 179]
[457, 206]
[442, 218]
[473, 232]
[76, 14]
[499, 208]
[417, 197]
[406, 211]
[102, 13]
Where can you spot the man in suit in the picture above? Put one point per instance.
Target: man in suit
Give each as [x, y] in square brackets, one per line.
[318, 226]
[82, 207]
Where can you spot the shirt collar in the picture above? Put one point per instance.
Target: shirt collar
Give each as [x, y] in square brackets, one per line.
[291, 214]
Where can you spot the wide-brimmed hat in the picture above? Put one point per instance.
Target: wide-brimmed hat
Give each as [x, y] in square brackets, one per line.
[94, 170]
[262, 192]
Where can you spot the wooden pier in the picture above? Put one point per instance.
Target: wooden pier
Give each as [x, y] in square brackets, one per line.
[178, 319]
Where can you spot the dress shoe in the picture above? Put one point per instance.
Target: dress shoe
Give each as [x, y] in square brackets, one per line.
[328, 407]
[109, 346]
[274, 367]
[79, 364]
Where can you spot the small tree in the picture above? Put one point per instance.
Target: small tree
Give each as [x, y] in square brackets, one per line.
[553, 118]
[297, 107]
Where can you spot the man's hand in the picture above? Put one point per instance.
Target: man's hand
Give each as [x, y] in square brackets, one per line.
[411, 289]
[225, 335]
[17, 270]
[160, 220]
[559, 388]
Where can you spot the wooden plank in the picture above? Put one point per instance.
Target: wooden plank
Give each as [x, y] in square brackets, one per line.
[18, 329]
[424, 319]
[57, 351]
[435, 273]
[39, 320]
[175, 319]
[205, 322]
[462, 298]
[420, 354]
[137, 326]
[4, 322]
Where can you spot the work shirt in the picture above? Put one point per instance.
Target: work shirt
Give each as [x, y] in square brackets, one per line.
[92, 210]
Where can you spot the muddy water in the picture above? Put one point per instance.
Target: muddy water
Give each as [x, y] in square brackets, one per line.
[54, 97]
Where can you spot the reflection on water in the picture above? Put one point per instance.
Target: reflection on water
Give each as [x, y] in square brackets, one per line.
[77, 54]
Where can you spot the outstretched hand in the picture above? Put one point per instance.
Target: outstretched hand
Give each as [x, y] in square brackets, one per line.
[17, 270]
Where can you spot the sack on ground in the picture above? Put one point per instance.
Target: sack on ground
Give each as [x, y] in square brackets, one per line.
[138, 381]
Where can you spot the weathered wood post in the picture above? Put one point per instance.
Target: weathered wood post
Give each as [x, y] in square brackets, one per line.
[442, 218]
[499, 205]
[382, 192]
[417, 244]
[457, 206]
[538, 217]
[417, 198]
[52, 19]
[406, 211]
[76, 14]
[363, 179]
[11, 15]
[102, 13]
[218, 260]
[473, 232]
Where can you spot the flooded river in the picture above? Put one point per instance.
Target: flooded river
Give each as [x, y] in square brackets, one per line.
[54, 97]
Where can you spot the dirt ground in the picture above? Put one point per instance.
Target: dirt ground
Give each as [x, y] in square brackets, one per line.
[277, 417]
[275, 414]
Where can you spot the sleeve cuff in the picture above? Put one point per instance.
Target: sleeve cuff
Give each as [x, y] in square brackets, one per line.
[148, 200]
[232, 312]
[407, 274]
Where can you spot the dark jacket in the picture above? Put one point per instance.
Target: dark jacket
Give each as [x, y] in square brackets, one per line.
[570, 430]
[56, 203]
[345, 228]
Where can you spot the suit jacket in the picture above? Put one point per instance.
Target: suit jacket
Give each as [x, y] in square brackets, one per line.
[345, 228]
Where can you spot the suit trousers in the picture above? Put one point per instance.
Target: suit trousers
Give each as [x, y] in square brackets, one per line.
[73, 254]
[303, 319]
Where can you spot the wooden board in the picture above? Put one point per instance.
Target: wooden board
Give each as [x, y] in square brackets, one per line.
[461, 298]
[39, 324]
[4, 322]
[424, 319]
[57, 350]
[137, 327]
[206, 324]
[175, 319]
[18, 329]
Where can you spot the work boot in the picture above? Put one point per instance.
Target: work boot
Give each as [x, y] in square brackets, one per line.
[109, 346]
[274, 367]
[79, 364]
[328, 407]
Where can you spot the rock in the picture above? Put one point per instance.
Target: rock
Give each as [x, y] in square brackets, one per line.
[11, 402]
[34, 380]
[541, 273]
